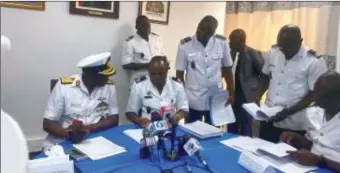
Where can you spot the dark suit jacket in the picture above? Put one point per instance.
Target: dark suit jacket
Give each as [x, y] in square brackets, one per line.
[251, 64]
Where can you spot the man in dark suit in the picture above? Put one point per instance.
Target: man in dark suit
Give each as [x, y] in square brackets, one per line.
[247, 70]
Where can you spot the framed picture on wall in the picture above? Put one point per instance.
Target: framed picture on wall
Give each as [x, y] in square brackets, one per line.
[156, 11]
[105, 9]
[32, 5]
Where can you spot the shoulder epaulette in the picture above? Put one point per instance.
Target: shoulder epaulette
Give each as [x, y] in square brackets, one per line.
[220, 37]
[153, 33]
[142, 78]
[185, 40]
[67, 80]
[313, 52]
[176, 79]
[128, 39]
[110, 82]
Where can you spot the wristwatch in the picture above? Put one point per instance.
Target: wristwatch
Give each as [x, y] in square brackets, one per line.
[322, 163]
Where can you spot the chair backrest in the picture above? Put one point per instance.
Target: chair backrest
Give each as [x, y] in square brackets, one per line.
[53, 82]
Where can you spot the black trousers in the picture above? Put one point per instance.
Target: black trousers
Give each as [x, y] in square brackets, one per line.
[271, 133]
[195, 115]
[243, 123]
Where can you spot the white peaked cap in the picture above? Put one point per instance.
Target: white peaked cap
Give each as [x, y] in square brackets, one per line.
[94, 60]
[5, 44]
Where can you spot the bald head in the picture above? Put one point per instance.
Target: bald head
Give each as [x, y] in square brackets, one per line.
[327, 92]
[289, 40]
[206, 28]
[158, 70]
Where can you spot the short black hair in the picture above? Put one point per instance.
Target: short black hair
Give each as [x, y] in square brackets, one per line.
[239, 32]
[294, 30]
[330, 83]
[211, 20]
[159, 59]
[140, 18]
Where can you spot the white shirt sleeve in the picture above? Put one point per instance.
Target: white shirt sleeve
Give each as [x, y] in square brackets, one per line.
[181, 59]
[182, 99]
[226, 59]
[266, 69]
[112, 101]
[315, 71]
[55, 104]
[135, 100]
[127, 53]
[161, 46]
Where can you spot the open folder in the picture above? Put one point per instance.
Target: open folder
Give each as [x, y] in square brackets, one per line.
[261, 113]
[219, 113]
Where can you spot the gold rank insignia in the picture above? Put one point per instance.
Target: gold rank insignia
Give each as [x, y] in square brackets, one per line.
[66, 80]
[78, 83]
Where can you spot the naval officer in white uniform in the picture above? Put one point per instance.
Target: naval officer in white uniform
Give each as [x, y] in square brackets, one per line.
[290, 71]
[139, 48]
[205, 58]
[151, 94]
[321, 147]
[88, 99]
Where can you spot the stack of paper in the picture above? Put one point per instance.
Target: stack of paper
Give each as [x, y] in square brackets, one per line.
[261, 113]
[51, 165]
[201, 130]
[219, 113]
[274, 154]
[98, 148]
[136, 134]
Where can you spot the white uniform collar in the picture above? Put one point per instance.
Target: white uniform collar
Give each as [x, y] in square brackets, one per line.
[301, 53]
[78, 82]
[154, 90]
[208, 46]
[140, 38]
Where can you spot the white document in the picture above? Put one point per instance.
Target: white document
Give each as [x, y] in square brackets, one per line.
[255, 164]
[201, 129]
[51, 165]
[261, 113]
[219, 113]
[136, 134]
[243, 143]
[98, 148]
[278, 150]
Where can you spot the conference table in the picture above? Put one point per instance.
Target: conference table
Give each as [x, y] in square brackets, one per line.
[220, 158]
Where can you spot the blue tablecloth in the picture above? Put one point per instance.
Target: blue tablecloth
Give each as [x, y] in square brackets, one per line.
[221, 159]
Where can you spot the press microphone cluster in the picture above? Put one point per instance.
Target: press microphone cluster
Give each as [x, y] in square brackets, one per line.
[147, 143]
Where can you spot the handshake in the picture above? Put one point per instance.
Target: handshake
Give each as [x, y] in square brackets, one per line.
[77, 131]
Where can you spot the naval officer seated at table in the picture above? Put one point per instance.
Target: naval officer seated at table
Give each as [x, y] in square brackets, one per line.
[88, 98]
[148, 95]
[321, 146]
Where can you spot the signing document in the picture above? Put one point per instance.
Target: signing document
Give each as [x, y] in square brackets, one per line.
[261, 113]
[257, 155]
[219, 113]
[98, 148]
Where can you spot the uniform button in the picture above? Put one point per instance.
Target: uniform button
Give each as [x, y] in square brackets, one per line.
[282, 71]
[279, 83]
[206, 55]
[321, 134]
[207, 66]
[277, 94]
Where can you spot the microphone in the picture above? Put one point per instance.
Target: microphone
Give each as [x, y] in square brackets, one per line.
[193, 147]
[158, 126]
[147, 142]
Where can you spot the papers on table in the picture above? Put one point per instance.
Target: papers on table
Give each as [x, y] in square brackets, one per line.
[219, 113]
[51, 165]
[255, 164]
[136, 134]
[98, 148]
[261, 113]
[254, 150]
[201, 130]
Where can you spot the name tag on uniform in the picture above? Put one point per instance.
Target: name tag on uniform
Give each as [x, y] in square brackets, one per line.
[148, 97]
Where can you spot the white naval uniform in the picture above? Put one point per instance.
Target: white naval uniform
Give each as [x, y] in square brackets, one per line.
[138, 50]
[203, 68]
[69, 102]
[144, 95]
[326, 137]
[290, 81]
[14, 151]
